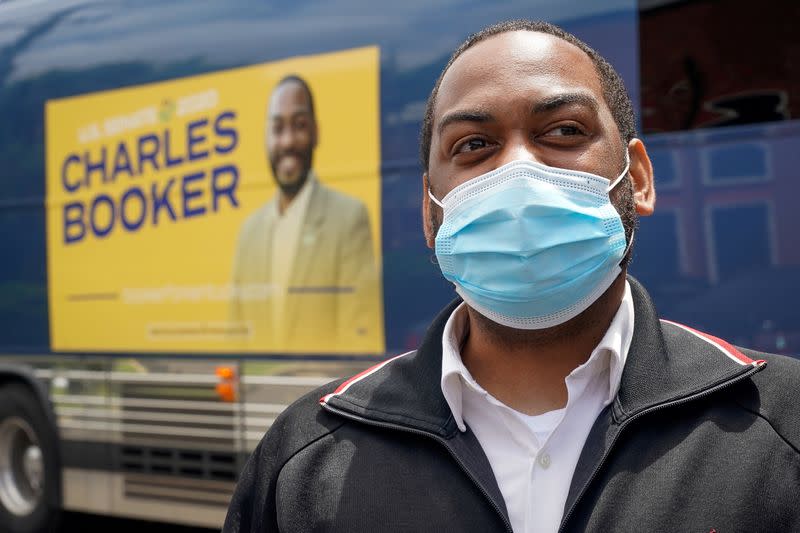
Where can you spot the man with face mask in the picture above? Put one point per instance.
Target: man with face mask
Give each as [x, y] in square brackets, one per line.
[310, 244]
[549, 397]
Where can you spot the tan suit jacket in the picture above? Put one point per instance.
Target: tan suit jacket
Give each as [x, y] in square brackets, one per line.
[333, 299]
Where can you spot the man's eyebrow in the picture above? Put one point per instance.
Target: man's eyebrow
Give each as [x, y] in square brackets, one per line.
[551, 103]
[463, 116]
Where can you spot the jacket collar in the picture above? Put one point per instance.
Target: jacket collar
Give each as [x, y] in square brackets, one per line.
[405, 389]
[666, 361]
[315, 213]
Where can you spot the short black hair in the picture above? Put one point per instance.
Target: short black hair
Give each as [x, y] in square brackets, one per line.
[614, 91]
[294, 78]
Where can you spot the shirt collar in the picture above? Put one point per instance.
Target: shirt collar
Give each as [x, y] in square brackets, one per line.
[455, 375]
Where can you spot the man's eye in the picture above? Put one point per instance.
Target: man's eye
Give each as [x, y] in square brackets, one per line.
[471, 145]
[564, 131]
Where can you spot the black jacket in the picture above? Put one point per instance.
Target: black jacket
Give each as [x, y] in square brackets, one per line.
[701, 437]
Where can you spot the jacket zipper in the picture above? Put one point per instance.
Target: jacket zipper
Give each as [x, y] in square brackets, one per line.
[436, 438]
[649, 410]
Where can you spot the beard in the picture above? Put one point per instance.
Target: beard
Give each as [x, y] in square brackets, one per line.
[292, 187]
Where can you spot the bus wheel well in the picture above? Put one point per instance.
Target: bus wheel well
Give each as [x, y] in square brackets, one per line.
[24, 376]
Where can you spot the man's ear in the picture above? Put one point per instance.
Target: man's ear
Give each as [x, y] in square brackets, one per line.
[641, 175]
[430, 236]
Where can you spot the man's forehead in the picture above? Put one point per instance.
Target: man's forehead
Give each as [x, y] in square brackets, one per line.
[524, 57]
[288, 97]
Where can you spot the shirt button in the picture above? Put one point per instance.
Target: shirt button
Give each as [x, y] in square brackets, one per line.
[544, 460]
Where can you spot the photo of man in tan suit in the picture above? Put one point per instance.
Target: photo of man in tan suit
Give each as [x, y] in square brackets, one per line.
[310, 245]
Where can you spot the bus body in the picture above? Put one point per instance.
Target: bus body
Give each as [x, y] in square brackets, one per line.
[128, 388]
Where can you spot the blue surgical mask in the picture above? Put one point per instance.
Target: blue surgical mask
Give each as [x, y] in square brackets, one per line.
[531, 246]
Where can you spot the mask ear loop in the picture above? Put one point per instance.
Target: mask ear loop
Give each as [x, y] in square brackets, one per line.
[610, 188]
[433, 198]
[619, 178]
[628, 248]
[434, 259]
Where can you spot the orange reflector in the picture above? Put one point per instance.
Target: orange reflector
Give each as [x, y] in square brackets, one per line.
[226, 392]
[225, 372]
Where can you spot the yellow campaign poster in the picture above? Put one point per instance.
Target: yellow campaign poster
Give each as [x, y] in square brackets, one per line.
[237, 211]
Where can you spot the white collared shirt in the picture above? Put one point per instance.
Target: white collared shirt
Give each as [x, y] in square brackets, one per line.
[534, 457]
[286, 235]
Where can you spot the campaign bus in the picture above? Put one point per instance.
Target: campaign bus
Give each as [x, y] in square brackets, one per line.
[185, 253]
